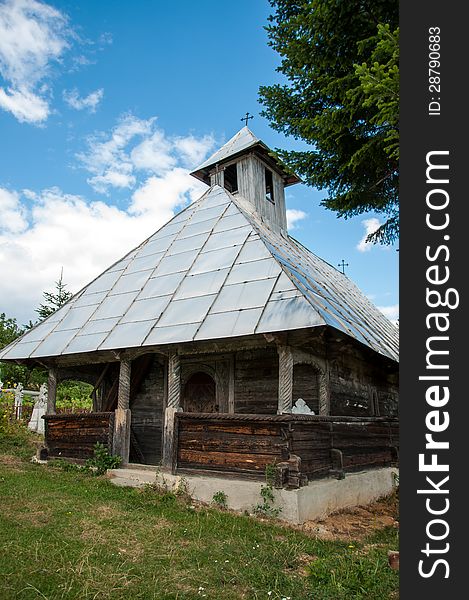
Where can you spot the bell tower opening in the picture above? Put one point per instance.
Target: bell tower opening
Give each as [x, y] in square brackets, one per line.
[269, 186]
[231, 178]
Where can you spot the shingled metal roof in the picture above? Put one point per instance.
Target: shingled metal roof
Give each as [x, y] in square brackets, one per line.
[214, 271]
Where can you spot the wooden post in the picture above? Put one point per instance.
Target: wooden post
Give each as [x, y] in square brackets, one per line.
[285, 380]
[51, 391]
[121, 443]
[173, 405]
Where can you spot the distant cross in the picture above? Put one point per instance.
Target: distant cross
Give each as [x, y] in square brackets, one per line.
[342, 265]
[246, 118]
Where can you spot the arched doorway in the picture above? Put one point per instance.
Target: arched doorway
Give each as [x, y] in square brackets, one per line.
[199, 393]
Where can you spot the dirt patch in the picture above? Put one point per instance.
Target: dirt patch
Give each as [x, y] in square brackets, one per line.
[356, 523]
[13, 462]
[106, 511]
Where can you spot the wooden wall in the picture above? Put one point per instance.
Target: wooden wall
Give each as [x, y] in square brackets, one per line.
[74, 436]
[256, 381]
[233, 445]
[251, 182]
[303, 447]
[147, 414]
[306, 385]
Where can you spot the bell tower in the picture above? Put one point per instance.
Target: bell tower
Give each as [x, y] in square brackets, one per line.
[246, 167]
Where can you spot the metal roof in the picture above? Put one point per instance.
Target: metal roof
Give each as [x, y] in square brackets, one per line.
[238, 144]
[214, 271]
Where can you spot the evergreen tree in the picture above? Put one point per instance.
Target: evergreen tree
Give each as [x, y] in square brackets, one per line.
[340, 60]
[54, 300]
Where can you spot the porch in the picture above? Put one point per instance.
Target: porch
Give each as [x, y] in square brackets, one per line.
[301, 447]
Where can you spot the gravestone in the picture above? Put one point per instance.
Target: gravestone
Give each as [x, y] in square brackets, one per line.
[36, 422]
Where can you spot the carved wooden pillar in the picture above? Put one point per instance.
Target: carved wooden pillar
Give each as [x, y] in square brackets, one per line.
[122, 415]
[172, 407]
[324, 393]
[285, 379]
[51, 391]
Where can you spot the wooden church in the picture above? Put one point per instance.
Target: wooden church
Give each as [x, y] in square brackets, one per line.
[222, 345]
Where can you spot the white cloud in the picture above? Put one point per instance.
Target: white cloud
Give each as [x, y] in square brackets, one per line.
[83, 237]
[13, 214]
[153, 154]
[370, 225]
[33, 36]
[293, 216]
[193, 150]
[42, 232]
[26, 106]
[136, 148]
[391, 312]
[90, 102]
[159, 196]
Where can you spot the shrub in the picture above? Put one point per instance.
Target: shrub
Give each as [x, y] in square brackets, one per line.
[220, 499]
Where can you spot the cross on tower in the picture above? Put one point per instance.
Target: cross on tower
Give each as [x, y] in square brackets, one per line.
[343, 265]
[246, 118]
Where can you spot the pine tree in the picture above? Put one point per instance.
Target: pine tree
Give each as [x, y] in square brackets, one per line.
[54, 300]
[340, 61]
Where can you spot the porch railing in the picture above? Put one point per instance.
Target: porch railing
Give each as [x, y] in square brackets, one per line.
[302, 447]
[75, 435]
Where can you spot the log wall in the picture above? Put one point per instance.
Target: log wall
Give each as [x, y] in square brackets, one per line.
[75, 435]
[303, 447]
[256, 381]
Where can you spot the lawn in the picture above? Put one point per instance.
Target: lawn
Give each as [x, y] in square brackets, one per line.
[67, 535]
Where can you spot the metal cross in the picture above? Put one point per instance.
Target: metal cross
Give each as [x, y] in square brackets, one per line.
[246, 118]
[343, 265]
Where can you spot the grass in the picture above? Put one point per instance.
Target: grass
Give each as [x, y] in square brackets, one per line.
[65, 535]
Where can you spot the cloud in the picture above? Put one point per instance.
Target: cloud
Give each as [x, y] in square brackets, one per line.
[371, 225]
[66, 230]
[391, 312]
[90, 102]
[13, 215]
[41, 232]
[293, 216]
[33, 36]
[135, 148]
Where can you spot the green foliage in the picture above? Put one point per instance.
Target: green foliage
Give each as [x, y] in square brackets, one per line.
[266, 508]
[356, 573]
[340, 60]
[15, 437]
[11, 373]
[220, 499]
[98, 465]
[54, 300]
[74, 395]
[81, 538]
[103, 460]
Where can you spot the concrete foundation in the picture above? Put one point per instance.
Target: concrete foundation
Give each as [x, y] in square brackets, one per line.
[314, 501]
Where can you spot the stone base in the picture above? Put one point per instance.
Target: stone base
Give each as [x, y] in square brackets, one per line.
[314, 501]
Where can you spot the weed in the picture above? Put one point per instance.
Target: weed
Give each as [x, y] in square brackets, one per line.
[220, 499]
[98, 465]
[102, 460]
[266, 508]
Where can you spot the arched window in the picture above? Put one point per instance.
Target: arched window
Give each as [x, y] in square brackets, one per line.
[199, 393]
[306, 385]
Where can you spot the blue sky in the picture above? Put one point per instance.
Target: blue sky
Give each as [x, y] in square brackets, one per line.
[105, 107]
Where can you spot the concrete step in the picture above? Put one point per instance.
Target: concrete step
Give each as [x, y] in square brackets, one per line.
[132, 476]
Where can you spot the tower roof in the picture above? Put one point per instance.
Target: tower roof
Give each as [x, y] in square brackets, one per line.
[214, 271]
[239, 144]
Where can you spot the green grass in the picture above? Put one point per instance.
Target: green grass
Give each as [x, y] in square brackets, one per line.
[65, 535]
